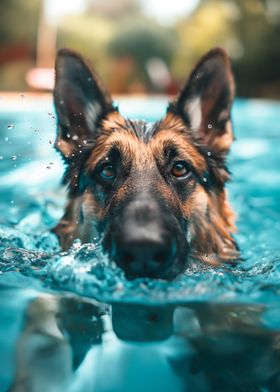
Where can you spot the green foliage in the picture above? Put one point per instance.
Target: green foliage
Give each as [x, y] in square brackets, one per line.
[249, 30]
[206, 28]
[19, 21]
[109, 33]
[143, 41]
[89, 35]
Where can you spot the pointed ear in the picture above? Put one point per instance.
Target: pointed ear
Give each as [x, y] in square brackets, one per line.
[205, 102]
[80, 102]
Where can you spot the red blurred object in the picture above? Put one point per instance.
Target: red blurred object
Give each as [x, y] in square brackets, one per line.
[14, 53]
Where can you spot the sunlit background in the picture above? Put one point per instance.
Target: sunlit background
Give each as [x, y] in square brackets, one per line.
[140, 46]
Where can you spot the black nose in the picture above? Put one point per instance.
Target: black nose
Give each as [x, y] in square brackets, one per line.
[144, 258]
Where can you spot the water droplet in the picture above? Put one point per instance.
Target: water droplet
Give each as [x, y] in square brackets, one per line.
[210, 126]
[48, 167]
[14, 157]
[11, 126]
[68, 135]
[75, 137]
[50, 141]
[1, 157]
[85, 141]
[28, 141]
[6, 139]
[209, 153]
[61, 102]
[204, 179]
[22, 95]
[12, 201]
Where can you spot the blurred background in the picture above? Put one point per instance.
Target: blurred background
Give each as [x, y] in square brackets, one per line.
[140, 46]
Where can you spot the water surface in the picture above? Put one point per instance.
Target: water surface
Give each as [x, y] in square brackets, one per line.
[72, 321]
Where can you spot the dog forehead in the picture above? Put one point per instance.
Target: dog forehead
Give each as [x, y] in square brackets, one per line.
[143, 130]
[143, 142]
[169, 132]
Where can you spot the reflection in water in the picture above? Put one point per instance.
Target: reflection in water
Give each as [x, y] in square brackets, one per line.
[140, 323]
[69, 344]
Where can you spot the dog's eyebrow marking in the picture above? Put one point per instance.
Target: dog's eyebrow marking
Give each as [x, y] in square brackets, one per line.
[175, 140]
[123, 140]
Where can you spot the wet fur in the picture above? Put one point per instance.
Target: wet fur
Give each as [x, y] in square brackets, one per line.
[203, 204]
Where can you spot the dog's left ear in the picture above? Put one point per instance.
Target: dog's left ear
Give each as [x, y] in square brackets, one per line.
[205, 102]
[80, 102]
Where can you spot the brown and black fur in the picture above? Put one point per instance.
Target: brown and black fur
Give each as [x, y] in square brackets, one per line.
[190, 214]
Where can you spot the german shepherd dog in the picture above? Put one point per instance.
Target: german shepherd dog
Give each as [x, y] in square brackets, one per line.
[153, 193]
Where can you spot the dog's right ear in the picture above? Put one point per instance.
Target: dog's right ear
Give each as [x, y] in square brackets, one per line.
[205, 102]
[80, 102]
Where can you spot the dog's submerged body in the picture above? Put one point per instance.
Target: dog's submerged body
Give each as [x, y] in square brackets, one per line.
[154, 193]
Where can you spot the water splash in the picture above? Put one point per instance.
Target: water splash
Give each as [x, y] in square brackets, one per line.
[85, 270]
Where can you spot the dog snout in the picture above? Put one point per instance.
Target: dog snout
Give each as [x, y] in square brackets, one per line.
[144, 239]
[145, 256]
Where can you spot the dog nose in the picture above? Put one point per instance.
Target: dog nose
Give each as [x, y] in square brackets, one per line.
[146, 258]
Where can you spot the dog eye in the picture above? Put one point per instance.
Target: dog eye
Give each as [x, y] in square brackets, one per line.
[180, 169]
[107, 172]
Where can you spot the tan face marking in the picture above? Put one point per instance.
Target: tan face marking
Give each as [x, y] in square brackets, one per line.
[208, 238]
[173, 132]
[142, 155]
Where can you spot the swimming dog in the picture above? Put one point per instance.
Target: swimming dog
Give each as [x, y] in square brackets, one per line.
[154, 193]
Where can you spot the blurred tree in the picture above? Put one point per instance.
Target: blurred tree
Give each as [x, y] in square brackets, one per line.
[18, 28]
[19, 21]
[258, 70]
[114, 9]
[139, 42]
[249, 30]
[208, 26]
[90, 35]
[129, 49]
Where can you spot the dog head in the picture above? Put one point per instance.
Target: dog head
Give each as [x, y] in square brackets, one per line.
[153, 192]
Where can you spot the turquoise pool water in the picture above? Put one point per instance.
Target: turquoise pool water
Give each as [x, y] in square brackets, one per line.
[69, 321]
